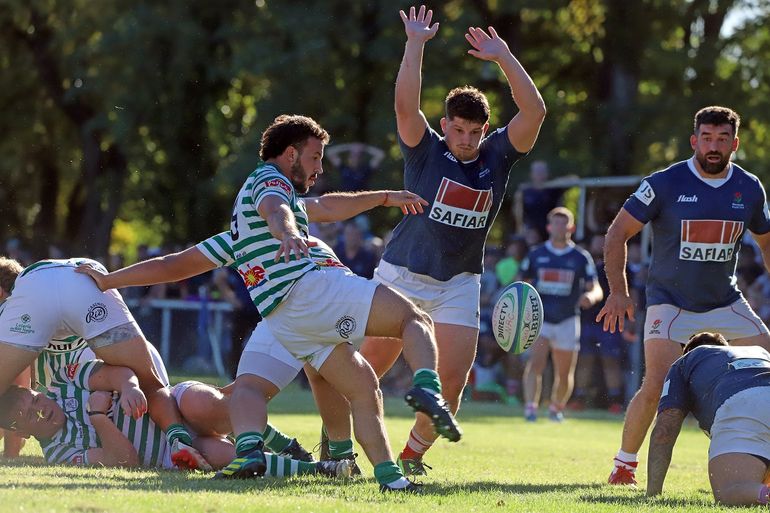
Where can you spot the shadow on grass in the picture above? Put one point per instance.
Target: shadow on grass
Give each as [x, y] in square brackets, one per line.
[642, 500]
[516, 488]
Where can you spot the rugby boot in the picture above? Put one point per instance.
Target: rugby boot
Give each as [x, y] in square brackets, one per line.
[248, 466]
[436, 408]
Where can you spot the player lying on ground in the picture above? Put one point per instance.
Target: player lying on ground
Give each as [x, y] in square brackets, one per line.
[206, 415]
[88, 417]
[727, 389]
[49, 300]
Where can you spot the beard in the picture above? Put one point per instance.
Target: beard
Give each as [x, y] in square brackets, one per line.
[298, 178]
[713, 168]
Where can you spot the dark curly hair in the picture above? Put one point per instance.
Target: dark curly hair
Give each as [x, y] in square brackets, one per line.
[716, 115]
[467, 103]
[704, 338]
[289, 130]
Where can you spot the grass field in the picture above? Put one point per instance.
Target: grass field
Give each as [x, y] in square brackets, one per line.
[502, 464]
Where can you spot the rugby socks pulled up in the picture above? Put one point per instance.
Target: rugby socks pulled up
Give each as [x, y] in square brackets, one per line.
[178, 432]
[341, 449]
[275, 440]
[387, 473]
[427, 379]
[416, 446]
[280, 466]
[247, 442]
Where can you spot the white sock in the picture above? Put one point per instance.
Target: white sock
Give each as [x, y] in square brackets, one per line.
[626, 457]
[399, 483]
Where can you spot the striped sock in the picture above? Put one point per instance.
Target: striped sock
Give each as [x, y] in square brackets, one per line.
[387, 472]
[428, 379]
[275, 440]
[279, 466]
[416, 446]
[341, 449]
[178, 432]
[247, 442]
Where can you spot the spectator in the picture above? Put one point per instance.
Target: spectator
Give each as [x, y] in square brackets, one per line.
[536, 200]
[508, 267]
[353, 253]
[362, 160]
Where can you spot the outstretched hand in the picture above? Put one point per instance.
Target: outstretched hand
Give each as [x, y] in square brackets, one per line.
[613, 313]
[487, 47]
[417, 24]
[408, 202]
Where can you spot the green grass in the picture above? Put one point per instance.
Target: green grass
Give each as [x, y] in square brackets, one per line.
[502, 464]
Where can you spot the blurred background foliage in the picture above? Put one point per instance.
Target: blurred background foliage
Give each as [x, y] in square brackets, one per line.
[128, 122]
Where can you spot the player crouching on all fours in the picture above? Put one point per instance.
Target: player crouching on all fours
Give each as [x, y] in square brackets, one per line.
[80, 422]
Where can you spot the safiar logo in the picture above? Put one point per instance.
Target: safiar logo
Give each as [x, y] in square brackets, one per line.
[96, 313]
[345, 326]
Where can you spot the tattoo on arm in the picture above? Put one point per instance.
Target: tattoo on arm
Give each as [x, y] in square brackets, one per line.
[664, 435]
[114, 335]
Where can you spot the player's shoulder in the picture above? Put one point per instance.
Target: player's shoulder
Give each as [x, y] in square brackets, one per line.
[670, 174]
[751, 178]
[537, 250]
[583, 252]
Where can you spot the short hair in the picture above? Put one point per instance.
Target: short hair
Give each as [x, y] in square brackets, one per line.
[8, 402]
[716, 115]
[467, 103]
[705, 338]
[289, 130]
[9, 271]
[561, 211]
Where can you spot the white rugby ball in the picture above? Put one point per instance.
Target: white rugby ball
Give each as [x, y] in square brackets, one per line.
[517, 317]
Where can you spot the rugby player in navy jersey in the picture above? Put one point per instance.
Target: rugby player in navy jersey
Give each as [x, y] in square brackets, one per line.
[727, 389]
[565, 276]
[436, 260]
[699, 210]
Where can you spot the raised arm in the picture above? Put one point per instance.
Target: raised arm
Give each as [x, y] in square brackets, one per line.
[525, 125]
[339, 206]
[662, 440]
[164, 269]
[619, 302]
[410, 120]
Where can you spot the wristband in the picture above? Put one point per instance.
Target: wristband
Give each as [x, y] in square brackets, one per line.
[92, 413]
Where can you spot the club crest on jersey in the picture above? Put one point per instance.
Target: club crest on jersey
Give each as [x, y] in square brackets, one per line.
[709, 240]
[275, 182]
[71, 404]
[252, 277]
[555, 282]
[738, 201]
[461, 206]
[72, 369]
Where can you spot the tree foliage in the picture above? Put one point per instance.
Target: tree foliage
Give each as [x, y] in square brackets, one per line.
[150, 111]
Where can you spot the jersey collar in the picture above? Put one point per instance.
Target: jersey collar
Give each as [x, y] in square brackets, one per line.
[559, 251]
[713, 182]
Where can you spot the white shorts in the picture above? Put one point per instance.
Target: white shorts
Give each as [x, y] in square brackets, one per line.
[742, 424]
[57, 302]
[326, 307]
[564, 335]
[178, 390]
[447, 302]
[734, 321]
[265, 357]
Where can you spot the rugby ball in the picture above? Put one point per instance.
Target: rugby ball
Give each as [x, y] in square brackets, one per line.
[517, 317]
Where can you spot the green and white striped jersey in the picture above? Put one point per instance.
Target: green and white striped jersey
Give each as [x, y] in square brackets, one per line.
[254, 247]
[67, 384]
[58, 356]
[219, 249]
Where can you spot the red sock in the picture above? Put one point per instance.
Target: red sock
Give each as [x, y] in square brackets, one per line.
[415, 447]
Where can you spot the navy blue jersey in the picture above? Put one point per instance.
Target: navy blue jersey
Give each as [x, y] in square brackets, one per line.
[560, 276]
[703, 379]
[697, 229]
[464, 201]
